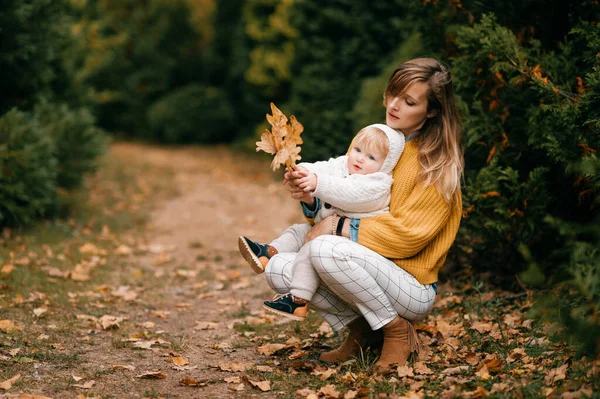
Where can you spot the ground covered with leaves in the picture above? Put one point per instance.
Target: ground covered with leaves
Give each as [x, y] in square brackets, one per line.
[141, 293]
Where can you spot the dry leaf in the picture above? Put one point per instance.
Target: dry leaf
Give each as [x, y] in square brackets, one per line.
[76, 378]
[39, 311]
[234, 367]
[6, 385]
[154, 375]
[405, 371]
[329, 391]
[125, 293]
[123, 250]
[8, 326]
[283, 140]
[87, 385]
[178, 360]
[269, 349]
[190, 382]
[483, 372]
[264, 369]
[421, 368]
[493, 362]
[232, 380]
[455, 370]
[123, 367]
[7, 268]
[206, 325]
[264, 386]
[110, 322]
[557, 374]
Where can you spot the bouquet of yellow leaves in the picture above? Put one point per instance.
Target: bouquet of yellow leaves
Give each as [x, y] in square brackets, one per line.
[283, 140]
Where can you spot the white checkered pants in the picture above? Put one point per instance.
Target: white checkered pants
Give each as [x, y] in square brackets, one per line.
[355, 281]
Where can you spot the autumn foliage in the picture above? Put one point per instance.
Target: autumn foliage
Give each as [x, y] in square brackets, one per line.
[283, 140]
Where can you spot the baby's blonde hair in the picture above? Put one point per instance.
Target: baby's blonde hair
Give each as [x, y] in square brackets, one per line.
[372, 139]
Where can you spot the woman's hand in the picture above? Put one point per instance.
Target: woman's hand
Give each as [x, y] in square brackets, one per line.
[324, 227]
[328, 226]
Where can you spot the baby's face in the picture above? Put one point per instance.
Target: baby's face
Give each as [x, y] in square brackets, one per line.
[363, 161]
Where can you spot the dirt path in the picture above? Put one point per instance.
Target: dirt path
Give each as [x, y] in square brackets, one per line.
[203, 284]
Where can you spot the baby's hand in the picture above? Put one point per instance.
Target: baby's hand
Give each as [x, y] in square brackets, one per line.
[308, 183]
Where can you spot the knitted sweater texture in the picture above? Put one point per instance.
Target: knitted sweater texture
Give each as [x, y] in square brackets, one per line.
[421, 226]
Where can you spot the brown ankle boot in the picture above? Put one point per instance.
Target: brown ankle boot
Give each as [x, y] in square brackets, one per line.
[399, 341]
[361, 336]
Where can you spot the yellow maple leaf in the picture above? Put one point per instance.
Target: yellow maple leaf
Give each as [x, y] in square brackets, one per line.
[282, 140]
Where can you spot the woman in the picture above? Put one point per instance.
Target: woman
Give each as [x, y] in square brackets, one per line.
[380, 273]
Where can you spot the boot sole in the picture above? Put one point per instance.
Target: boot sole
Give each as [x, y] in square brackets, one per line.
[249, 256]
[285, 314]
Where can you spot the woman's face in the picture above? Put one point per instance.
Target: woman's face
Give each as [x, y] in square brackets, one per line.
[408, 111]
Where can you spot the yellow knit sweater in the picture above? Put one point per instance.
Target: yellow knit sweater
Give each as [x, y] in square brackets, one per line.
[421, 226]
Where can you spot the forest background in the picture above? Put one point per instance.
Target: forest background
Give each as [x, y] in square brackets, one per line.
[527, 77]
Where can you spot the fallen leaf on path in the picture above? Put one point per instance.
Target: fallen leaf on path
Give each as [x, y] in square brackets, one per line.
[87, 385]
[163, 314]
[421, 368]
[405, 371]
[305, 392]
[43, 337]
[233, 367]
[455, 370]
[264, 369]
[9, 326]
[482, 327]
[186, 273]
[123, 367]
[323, 375]
[237, 388]
[232, 380]
[6, 385]
[178, 360]
[77, 379]
[351, 394]
[123, 250]
[264, 386]
[493, 362]
[37, 312]
[14, 352]
[329, 391]
[152, 375]
[110, 322]
[557, 374]
[125, 292]
[269, 349]
[483, 372]
[7, 269]
[206, 325]
[184, 368]
[190, 382]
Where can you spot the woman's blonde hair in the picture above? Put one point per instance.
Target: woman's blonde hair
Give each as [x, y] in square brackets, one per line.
[372, 138]
[440, 149]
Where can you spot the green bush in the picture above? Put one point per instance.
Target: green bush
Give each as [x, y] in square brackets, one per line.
[78, 143]
[340, 43]
[132, 54]
[29, 169]
[191, 114]
[32, 39]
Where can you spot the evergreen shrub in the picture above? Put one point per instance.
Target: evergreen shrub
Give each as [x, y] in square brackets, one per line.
[191, 114]
[78, 142]
[28, 167]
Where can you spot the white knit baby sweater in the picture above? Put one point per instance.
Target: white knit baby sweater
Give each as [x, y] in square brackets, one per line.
[355, 195]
